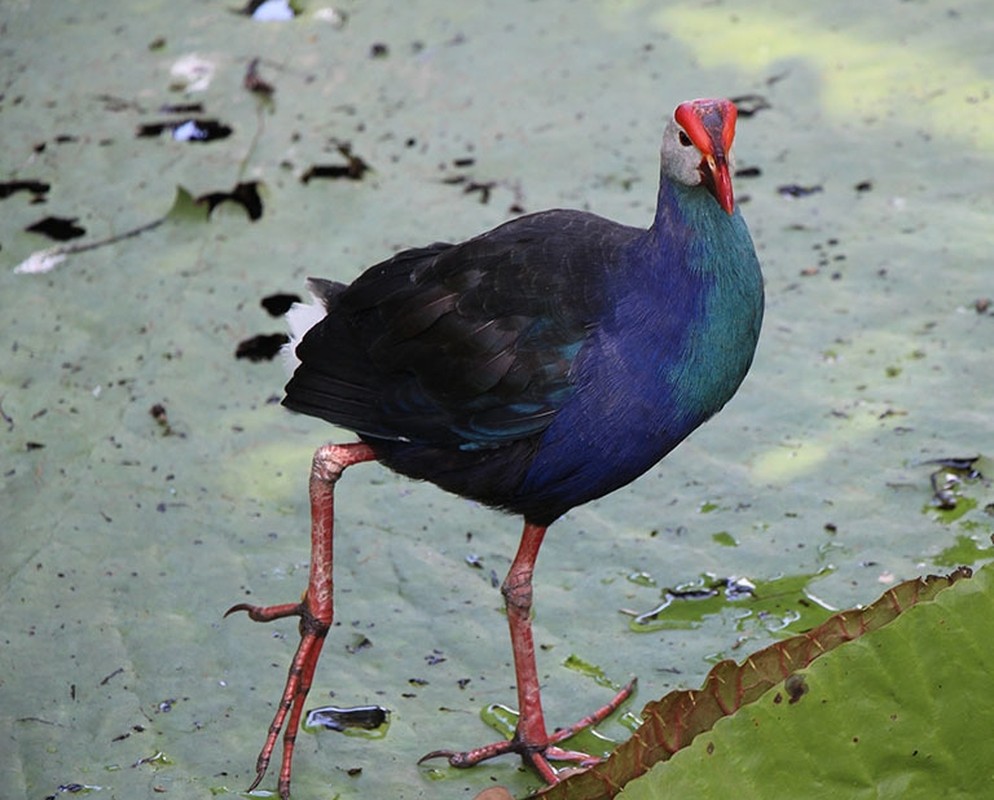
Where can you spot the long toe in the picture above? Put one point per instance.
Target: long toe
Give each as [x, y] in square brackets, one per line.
[597, 717]
[538, 758]
[538, 754]
[268, 613]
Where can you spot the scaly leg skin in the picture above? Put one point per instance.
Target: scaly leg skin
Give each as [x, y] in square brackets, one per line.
[531, 740]
[316, 609]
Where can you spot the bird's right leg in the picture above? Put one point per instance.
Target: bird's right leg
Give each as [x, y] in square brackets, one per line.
[531, 739]
[316, 608]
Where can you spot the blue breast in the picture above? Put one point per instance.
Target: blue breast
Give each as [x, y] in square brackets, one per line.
[684, 323]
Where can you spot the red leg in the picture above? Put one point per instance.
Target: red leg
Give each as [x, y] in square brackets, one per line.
[531, 740]
[316, 609]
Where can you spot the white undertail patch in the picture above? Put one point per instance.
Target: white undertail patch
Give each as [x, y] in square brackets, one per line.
[300, 319]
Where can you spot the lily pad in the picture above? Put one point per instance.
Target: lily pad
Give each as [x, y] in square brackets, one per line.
[150, 479]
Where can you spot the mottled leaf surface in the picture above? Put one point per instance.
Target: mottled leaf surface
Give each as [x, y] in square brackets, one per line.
[148, 478]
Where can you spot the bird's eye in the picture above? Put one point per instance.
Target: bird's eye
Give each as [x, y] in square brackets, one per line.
[685, 140]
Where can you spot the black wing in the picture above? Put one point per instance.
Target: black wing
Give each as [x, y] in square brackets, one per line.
[468, 345]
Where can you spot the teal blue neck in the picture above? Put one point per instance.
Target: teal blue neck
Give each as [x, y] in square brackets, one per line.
[723, 327]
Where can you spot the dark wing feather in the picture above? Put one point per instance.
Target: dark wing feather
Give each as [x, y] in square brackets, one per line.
[466, 345]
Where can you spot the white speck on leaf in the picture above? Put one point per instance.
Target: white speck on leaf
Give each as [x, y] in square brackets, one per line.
[41, 261]
[194, 72]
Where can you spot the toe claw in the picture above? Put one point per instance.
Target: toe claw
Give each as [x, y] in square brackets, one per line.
[446, 754]
[239, 607]
[269, 613]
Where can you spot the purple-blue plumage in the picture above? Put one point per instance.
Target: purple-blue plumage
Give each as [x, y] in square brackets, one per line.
[535, 367]
[544, 363]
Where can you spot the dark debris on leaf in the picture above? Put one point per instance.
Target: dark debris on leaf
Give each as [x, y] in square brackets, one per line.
[244, 194]
[482, 189]
[38, 189]
[254, 82]
[334, 718]
[333, 171]
[361, 643]
[61, 229]
[115, 104]
[181, 108]
[278, 304]
[749, 104]
[353, 169]
[263, 347]
[795, 190]
[193, 129]
[159, 414]
[962, 464]
[796, 687]
[951, 474]
[70, 788]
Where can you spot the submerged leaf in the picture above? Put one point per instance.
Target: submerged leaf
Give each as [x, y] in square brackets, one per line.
[187, 208]
[781, 605]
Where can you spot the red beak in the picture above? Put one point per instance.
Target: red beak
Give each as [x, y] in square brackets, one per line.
[710, 124]
[719, 181]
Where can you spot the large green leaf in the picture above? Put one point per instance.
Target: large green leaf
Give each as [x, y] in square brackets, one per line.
[673, 722]
[904, 712]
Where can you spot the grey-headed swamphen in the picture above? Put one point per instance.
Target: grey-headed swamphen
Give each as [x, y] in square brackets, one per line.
[535, 367]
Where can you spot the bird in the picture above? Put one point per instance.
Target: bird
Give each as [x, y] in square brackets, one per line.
[533, 368]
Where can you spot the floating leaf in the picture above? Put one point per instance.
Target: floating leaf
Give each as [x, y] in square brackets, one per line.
[783, 604]
[966, 550]
[186, 208]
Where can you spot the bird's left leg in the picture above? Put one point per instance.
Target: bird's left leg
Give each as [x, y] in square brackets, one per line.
[316, 608]
[531, 740]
